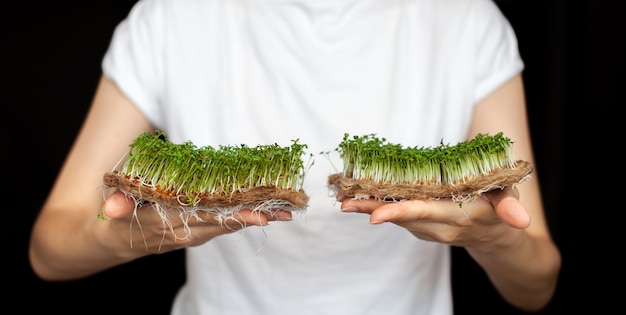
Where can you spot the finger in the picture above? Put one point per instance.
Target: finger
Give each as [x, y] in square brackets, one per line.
[360, 205]
[508, 208]
[387, 211]
[250, 217]
[396, 211]
[280, 215]
[118, 205]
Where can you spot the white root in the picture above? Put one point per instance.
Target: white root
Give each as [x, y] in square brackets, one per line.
[188, 211]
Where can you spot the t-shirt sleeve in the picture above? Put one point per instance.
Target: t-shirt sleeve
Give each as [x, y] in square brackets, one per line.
[497, 55]
[131, 60]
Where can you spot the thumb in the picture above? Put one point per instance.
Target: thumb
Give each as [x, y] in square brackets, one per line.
[508, 208]
[118, 205]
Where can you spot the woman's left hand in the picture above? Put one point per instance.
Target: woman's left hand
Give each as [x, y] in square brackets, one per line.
[445, 221]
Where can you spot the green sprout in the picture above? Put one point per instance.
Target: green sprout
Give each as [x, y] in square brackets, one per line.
[185, 169]
[371, 158]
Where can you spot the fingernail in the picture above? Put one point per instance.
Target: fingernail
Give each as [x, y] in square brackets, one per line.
[350, 209]
[283, 216]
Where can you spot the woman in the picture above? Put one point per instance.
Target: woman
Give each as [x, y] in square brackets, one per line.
[268, 71]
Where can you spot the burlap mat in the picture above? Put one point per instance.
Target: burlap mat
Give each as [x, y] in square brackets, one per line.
[249, 197]
[499, 178]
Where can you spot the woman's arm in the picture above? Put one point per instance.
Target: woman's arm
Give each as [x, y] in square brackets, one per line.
[524, 263]
[68, 241]
[505, 231]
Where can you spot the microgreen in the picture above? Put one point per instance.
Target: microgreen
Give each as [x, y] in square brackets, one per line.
[183, 168]
[372, 158]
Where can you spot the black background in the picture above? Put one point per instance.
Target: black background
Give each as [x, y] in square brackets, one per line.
[51, 63]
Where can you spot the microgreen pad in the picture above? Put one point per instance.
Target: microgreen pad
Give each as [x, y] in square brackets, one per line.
[182, 174]
[372, 166]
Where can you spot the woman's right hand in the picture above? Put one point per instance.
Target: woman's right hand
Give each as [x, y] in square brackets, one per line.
[153, 229]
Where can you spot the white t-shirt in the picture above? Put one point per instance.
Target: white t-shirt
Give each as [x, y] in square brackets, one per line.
[225, 72]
